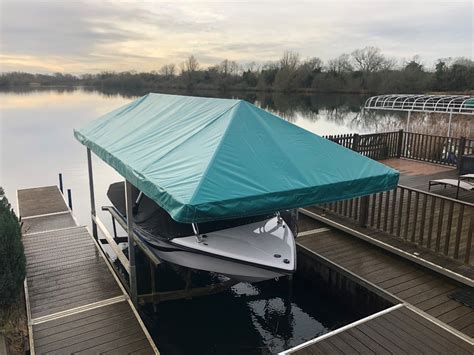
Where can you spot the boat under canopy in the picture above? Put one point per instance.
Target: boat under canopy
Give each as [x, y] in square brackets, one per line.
[206, 159]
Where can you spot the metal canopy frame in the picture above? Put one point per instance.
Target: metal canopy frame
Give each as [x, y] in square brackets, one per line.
[447, 104]
[458, 104]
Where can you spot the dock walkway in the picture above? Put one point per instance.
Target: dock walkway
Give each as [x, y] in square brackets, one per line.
[75, 303]
[397, 330]
[427, 319]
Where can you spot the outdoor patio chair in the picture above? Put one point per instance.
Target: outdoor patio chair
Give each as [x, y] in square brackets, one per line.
[463, 182]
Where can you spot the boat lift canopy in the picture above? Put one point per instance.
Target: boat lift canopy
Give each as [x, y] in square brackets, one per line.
[205, 159]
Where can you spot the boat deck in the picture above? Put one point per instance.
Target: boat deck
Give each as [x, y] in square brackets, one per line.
[75, 304]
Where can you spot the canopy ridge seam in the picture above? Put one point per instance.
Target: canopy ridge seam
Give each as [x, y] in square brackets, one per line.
[217, 148]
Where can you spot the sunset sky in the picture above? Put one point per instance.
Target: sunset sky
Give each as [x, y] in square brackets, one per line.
[89, 36]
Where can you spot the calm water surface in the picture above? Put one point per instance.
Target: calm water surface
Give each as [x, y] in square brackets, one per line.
[36, 143]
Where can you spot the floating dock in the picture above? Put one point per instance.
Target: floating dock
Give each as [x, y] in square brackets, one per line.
[75, 302]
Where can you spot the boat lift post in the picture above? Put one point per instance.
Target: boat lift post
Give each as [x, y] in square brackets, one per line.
[131, 244]
[129, 264]
[92, 195]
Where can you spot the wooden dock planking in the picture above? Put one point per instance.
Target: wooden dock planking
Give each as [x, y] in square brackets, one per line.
[74, 302]
[40, 201]
[398, 330]
[109, 328]
[398, 277]
[51, 222]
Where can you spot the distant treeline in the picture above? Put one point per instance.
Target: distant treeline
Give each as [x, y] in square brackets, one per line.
[365, 70]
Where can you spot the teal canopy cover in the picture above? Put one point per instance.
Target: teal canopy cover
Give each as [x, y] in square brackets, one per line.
[205, 159]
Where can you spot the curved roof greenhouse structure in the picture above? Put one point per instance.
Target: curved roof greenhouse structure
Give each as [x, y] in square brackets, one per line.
[456, 104]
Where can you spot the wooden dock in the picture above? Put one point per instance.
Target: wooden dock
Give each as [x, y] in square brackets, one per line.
[397, 330]
[75, 303]
[424, 318]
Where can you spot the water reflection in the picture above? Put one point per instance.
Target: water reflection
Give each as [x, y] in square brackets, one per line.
[261, 318]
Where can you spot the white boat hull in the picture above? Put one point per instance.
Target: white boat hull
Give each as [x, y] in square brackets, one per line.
[234, 270]
[250, 253]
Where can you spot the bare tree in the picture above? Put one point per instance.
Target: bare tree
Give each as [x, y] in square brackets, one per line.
[168, 70]
[286, 78]
[189, 71]
[190, 65]
[314, 64]
[466, 62]
[228, 67]
[369, 59]
[251, 66]
[341, 64]
[290, 60]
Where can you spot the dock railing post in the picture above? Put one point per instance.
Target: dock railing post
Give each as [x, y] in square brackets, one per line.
[461, 150]
[69, 198]
[92, 195]
[131, 244]
[61, 183]
[364, 211]
[400, 143]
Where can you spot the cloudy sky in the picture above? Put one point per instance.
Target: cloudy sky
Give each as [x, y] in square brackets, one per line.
[81, 36]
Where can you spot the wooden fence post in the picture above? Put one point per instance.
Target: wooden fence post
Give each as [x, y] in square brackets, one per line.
[355, 142]
[461, 150]
[364, 211]
[400, 143]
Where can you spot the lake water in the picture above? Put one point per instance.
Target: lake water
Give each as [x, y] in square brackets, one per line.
[37, 143]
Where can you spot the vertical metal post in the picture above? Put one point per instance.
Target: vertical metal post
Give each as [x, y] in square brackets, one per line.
[114, 227]
[131, 245]
[153, 285]
[408, 121]
[69, 198]
[61, 183]
[92, 195]
[449, 124]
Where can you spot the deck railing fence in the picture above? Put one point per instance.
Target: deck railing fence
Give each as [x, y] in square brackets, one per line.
[441, 224]
[401, 144]
[435, 222]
